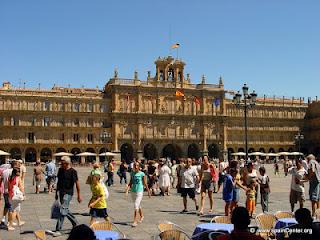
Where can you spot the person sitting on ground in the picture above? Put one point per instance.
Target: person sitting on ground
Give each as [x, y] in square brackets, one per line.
[241, 220]
[304, 229]
[82, 232]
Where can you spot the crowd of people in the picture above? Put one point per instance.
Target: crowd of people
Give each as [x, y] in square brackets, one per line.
[188, 177]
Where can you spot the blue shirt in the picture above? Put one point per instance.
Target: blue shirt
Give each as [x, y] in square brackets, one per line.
[227, 191]
[51, 169]
[137, 181]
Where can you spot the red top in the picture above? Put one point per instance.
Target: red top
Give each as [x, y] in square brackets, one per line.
[11, 184]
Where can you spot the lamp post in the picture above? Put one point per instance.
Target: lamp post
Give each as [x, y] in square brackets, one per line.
[104, 137]
[298, 138]
[245, 101]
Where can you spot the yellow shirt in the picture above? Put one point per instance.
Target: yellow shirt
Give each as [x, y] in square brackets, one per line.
[98, 191]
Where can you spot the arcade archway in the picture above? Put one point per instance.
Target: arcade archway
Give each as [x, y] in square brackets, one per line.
[126, 152]
[75, 158]
[150, 151]
[31, 155]
[213, 151]
[15, 153]
[45, 154]
[172, 151]
[193, 151]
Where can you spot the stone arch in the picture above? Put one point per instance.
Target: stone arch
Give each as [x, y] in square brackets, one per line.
[194, 151]
[45, 154]
[16, 153]
[31, 155]
[281, 150]
[290, 149]
[90, 158]
[61, 149]
[271, 150]
[150, 151]
[251, 150]
[213, 151]
[103, 150]
[241, 150]
[126, 152]
[172, 151]
[75, 151]
[262, 150]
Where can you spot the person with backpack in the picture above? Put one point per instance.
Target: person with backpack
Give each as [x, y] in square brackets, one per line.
[50, 174]
[264, 182]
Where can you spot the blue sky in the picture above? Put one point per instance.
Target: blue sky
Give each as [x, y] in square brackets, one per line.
[273, 45]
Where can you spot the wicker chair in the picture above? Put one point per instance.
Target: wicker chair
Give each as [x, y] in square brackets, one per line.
[173, 235]
[221, 219]
[317, 214]
[40, 235]
[266, 222]
[282, 214]
[165, 226]
[106, 225]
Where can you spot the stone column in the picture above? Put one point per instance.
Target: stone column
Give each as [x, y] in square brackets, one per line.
[115, 133]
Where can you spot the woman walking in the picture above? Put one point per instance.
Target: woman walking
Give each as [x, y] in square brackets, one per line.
[38, 176]
[207, 177]
[13, 183]
[137, 183]
[164, 178]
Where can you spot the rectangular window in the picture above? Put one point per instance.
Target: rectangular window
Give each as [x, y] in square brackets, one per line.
[46, 121]
[76, 122]
[33, 121]
[61, 136]
[76, 137]
[15, 121]
[76, 107]
[90, 107]
[30, 137]
[46, 106]
[103, 108]
[90, 122]
[90, 137]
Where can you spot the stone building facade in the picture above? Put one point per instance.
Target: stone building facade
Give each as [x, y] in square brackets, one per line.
[164, 115]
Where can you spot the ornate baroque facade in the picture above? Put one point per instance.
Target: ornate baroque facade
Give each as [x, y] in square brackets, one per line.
[165, 115]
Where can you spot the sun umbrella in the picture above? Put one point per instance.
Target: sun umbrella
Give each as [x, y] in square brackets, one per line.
[257, 154]
[3, 153]
[86, 154]
[107, 154]
[238, 154]
[283, 153]
[296, 153]
[61, 154]
[272, 154]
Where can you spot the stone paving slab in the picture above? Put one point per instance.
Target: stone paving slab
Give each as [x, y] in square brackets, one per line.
[36, 209]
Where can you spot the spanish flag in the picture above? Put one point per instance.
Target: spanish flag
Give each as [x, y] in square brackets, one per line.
[177, 45]
[197, 100]
[179, 93]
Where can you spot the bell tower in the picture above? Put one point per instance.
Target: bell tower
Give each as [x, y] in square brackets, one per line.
[170, 70]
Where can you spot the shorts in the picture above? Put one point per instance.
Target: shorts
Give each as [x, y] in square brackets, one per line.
[188, 191]
[50, 180]
[236, 194]
[314, 190]
[296, 196]
[98, 212]
[206, 185]
[15, 206]
[7, 203]
[251, 205]
[137, 198]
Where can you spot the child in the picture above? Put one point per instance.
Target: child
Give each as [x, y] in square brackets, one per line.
[227, 191]
[98, 202]
[276, 168]
[264, 181]
[251, 197]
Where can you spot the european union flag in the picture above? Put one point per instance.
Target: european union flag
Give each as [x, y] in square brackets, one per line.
[216, 102]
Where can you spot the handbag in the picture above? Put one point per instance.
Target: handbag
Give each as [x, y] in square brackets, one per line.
[17, 194]
[55, 210]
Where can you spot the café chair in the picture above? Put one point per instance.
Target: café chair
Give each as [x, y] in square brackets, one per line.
[40, 234]
[106, 226]
[221, 219]
[283, 214]
[266, 222]
[174, 234]
[317, 214]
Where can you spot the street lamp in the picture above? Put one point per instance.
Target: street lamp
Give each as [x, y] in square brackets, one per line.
[104, 136]
[298, 138]
[247, 102]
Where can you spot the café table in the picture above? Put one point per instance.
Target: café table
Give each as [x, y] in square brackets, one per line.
[204, 227]
[285, 222]
[106, 235]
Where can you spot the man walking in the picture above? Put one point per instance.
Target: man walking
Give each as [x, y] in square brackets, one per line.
[50, 174]
[314, 181]
[67, 178]
[188, 179]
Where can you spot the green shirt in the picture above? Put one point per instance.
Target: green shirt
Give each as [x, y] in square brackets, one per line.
[137, 181]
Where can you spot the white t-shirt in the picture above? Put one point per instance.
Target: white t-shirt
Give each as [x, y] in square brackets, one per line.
[299, 174]
[188, 177]
[315, 167]
[5, 176]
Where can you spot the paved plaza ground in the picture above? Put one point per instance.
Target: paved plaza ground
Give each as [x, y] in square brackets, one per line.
[36, 209]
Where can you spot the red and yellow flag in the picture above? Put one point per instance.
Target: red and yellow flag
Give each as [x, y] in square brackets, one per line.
[177, 45]
[197, 100]
[179, 93]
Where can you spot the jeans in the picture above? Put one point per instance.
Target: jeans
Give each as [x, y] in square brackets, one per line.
[110, 178]
[123, 176]
[264, 201]
[65, 200]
